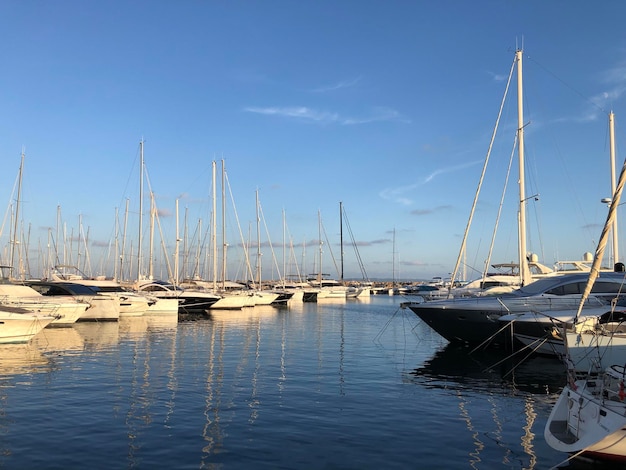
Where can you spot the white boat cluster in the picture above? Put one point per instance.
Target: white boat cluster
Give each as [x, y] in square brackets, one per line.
[29, 306]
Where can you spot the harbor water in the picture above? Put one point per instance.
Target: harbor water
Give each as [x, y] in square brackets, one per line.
[358, 384]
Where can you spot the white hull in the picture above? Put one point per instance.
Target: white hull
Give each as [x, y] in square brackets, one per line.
[70, 313]
[102, 308]
[232, 302]
[66, 310]
[591, 352]
[132, 305]
[354, 292]
[297, 297]
[264, 297]
[21, 327]
[332, 293]
[163, 307]
[588, 418]
[65, 313]
[365, 292]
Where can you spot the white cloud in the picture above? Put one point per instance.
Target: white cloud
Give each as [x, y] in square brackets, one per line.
[304, 113]
[397, 194]
[337, 86]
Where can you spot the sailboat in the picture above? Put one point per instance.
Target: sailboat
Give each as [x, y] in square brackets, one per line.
[474, 320]
[328, 288]
[589, 418]
[354, 290]
[169, 298]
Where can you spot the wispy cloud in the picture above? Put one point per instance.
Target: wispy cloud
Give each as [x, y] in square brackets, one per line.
[599, 104]
[299, 112]
[431, 211]
[308, 114]
[337, 86]
[379, 241]
[164, 212]
[498, 77]
[397, 194]
[605, 100]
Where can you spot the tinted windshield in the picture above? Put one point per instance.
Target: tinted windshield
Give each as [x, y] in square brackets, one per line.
[559, 285]
[79, 289]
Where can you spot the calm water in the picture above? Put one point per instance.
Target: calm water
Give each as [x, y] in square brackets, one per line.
[355, 385]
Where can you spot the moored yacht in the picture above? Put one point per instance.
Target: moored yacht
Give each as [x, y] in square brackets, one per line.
[188, 301]
[130, 303]
[476, 320]
[66, 310]
[19, 325]
[102, 306]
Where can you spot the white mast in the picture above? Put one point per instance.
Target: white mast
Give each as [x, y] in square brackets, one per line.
[224, 244]
[151, 241]
[123, 254]
[214, 228]
[117, 245]
[17, 211]
[139, 274]
[525, 277]
[463, 250]
[258, 243]
[319, 231]
[341, 237]
[176, 252]
[612, 159]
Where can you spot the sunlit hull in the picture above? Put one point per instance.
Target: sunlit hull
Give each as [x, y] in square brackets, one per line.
[589, 419]
[21, 327]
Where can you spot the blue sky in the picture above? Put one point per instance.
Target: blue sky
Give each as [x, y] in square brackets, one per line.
[387, 107]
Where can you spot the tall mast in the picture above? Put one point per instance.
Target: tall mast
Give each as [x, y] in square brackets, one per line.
[525, 277]
[612, 159]
[393, 259]
[177, 245]
[258, 243]
[123, 254]
[140, 210]
[319, 231]
[17, 212]
[214, 227]
[284, 248]
[224, 245]
[117, 245]
[341, 236]
[463, 250]
[151, 240]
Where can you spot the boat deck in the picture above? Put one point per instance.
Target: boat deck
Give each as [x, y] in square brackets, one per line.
[561, 431]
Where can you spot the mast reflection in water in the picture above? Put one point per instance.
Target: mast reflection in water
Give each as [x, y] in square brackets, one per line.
[353, 384]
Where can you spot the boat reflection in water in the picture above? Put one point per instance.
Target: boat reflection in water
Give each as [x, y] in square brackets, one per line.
[457, 367]
[18, 359]
[130, 327]
[59, 339]
[135, 399]
[487, 383]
